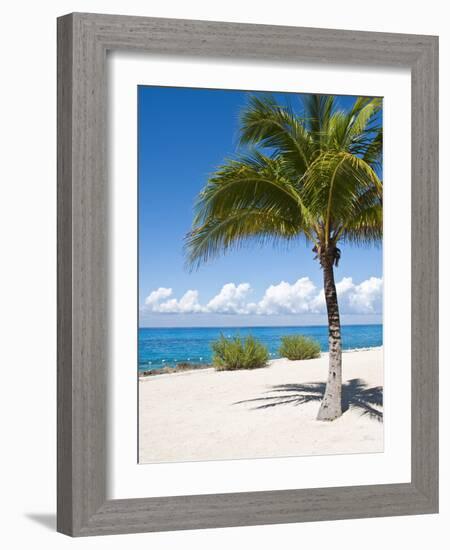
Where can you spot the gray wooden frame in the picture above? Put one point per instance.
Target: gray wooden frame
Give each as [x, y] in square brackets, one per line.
[83, 40]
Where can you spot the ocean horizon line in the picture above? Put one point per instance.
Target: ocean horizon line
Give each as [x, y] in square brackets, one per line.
[257, 326]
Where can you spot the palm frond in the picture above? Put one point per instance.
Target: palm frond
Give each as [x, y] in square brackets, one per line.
[266, 124]
[373, 150]
[353, 130]
[251, 181]
[318, 111]
[249, 198]
[217, 235]
[335, 185]
[363, 121]
[365, 227]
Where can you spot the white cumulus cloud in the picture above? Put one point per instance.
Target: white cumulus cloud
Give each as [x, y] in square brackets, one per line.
[287, 298]
[367, 296]
[188, 303]
[156, 296]
[231, 299]
[284, 298]
[362, 298]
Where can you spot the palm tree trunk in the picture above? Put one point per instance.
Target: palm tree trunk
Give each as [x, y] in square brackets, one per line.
[331, 406]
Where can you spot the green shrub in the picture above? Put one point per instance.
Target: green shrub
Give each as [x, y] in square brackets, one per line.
[299, 347]
[235, 353]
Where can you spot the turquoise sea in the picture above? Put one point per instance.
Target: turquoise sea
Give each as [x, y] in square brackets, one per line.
[159, 347]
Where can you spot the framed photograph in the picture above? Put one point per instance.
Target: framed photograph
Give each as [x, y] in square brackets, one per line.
[247, 274]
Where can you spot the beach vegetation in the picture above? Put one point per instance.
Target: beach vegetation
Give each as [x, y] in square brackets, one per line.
[239, 353]
[296, 347]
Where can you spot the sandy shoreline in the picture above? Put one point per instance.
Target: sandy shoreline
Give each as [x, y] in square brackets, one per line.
[209, 415]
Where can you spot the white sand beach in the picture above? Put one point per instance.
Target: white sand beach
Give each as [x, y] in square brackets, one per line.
[209, 415]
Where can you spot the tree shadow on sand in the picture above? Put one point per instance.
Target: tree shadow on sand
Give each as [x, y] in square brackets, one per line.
[355, 395]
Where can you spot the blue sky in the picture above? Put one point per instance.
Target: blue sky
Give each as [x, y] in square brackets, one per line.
[184, 134]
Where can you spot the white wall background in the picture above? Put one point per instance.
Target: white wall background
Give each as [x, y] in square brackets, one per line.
[28, 270]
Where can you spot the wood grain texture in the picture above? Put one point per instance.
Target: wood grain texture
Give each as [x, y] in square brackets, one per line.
[64, 299]
[83, 40]
[425, 273]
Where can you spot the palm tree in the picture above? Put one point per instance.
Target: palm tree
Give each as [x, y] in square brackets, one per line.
[311, 174]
